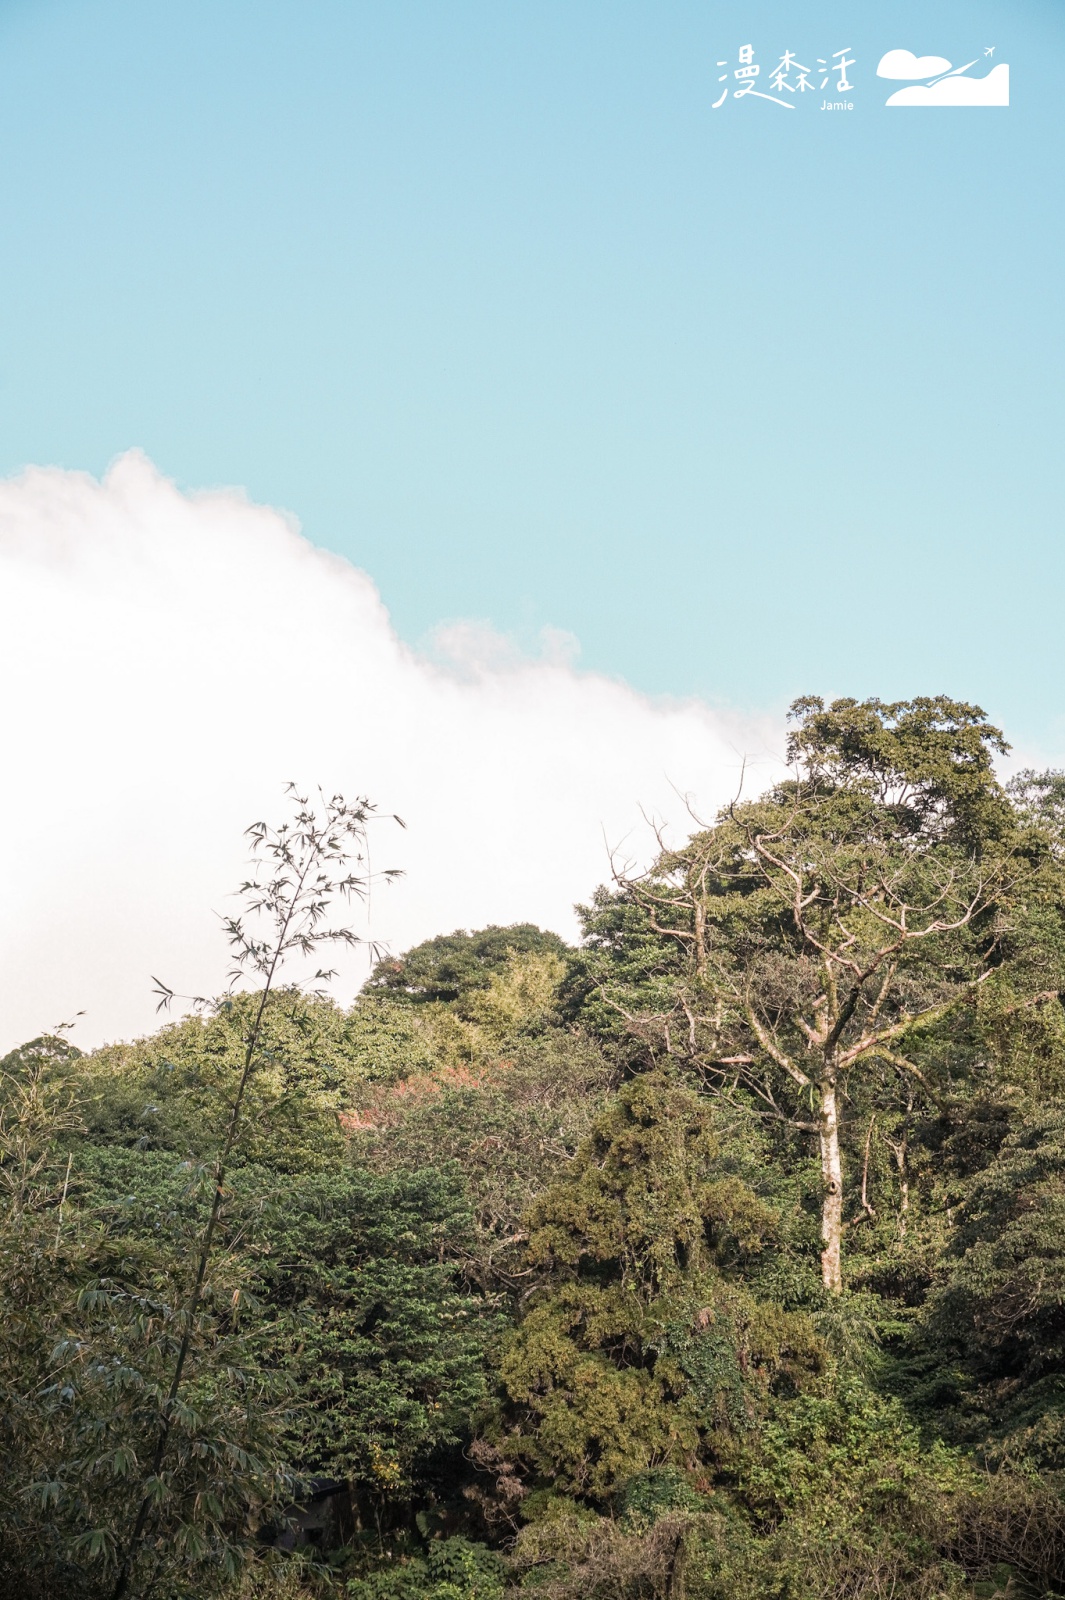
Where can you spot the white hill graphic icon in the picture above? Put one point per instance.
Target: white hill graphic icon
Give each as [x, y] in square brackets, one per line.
[943, 84]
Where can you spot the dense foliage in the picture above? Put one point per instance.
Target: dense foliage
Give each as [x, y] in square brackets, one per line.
[721, 1256]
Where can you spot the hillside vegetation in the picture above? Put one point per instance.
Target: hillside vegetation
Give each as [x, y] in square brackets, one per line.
[720, 1257]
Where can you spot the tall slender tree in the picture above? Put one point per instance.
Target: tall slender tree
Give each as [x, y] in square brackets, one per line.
[300, 870]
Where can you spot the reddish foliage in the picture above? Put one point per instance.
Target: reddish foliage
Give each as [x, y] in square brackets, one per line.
[386, 1102]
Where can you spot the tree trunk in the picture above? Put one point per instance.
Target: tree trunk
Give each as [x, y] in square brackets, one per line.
[675, 1576]
[899, 1152]
[832, 1188]
[901, 1149]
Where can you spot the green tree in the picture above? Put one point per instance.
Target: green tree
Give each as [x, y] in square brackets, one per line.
[833, 926]
[173, 1091]
[93, 1319]
[454, 964]
[994, 1326]
[510, 1128]
[384, 1351]
[642, 1341]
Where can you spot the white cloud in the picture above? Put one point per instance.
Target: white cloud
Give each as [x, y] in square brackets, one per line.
[904, 64]
[992, 90]
[169, 660]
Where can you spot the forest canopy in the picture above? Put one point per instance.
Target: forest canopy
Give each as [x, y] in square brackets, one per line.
[720, 1255]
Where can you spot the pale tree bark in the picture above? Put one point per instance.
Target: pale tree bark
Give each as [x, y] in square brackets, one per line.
[867, 1204]
[832, 1187]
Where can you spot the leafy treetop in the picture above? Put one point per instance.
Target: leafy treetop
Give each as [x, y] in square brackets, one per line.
[928, 760]
[445, 968]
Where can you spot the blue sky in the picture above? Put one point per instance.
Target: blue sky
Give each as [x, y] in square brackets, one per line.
[754, 403]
